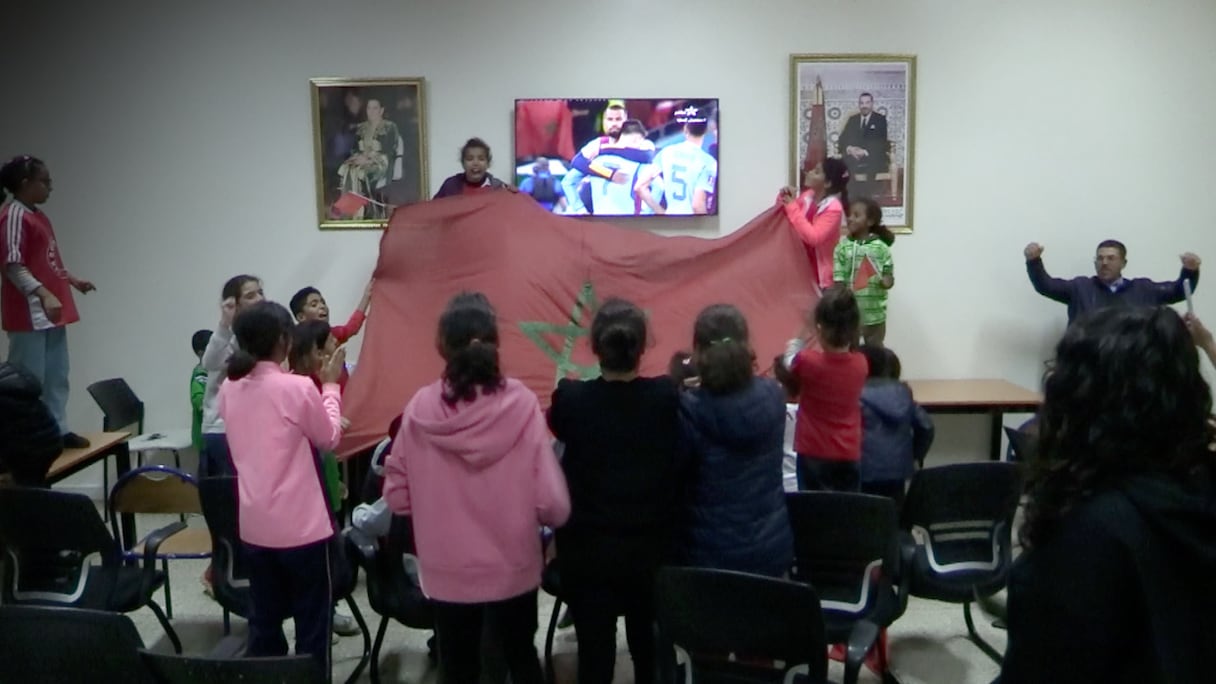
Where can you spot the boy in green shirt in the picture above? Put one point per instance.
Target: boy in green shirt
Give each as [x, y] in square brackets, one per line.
[198, 388]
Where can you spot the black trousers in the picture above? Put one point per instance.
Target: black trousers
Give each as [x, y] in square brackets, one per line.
[458, 629]
[595, 607]
[821, 474]
[290, 582]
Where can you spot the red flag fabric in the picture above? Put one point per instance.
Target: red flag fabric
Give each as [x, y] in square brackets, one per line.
[348, 204]
[544, 127]
[545, 275]
[865, 271]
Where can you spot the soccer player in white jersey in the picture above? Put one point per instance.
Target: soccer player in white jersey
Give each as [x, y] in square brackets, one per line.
[688, 171]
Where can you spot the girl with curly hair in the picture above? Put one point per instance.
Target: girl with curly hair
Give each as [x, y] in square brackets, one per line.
[1116, 582]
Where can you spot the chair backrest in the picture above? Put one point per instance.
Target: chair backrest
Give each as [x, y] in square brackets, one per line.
[1023, 445]
[176, 669]
[846, 546]
[120, 408]
[229, 576]
[153, 489]
[711, 614]
[68, 645]
[962, 516]
[47, 537]
[373, 482]
[389, 588]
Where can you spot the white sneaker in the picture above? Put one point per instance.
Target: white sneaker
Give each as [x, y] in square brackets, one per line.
[344, 625]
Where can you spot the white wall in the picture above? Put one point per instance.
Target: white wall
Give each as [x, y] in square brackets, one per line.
[180, 143]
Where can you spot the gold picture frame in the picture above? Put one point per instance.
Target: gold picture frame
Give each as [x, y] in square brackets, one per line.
[370, 142]
[827, 108]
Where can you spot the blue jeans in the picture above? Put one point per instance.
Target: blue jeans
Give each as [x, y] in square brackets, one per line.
[44, 353]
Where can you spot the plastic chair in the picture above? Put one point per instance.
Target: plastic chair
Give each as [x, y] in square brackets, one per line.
[847, 547]
[122, 410]
[161, 489]
[48, 537]
[712, 615]
[175, 669]
[392, 593]
[69, 645]
[960, 519]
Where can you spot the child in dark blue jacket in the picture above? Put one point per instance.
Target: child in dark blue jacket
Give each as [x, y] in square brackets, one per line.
[896, 431]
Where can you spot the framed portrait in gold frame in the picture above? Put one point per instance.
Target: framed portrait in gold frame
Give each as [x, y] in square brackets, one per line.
[860, 108]
[369, 135]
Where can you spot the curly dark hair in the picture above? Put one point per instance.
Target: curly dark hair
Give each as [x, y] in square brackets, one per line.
[1124, 397]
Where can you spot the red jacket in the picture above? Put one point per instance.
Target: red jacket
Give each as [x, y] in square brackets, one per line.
[819, 225]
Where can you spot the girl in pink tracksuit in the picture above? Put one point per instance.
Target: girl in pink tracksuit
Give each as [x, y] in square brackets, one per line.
[474, 465]
[817, 214]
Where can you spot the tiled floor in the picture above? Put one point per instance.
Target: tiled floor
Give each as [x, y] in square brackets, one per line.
[928, 644]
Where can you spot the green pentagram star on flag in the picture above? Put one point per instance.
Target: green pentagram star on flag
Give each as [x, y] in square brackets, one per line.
[578, 325]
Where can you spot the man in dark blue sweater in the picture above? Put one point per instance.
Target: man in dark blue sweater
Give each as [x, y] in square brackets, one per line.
[1108, 288]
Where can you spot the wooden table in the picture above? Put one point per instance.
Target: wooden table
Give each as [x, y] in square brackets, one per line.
[101, 445]
[993, 398]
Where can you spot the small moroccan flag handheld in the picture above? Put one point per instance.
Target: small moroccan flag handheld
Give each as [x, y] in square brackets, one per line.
[546, 275]
[865, 271]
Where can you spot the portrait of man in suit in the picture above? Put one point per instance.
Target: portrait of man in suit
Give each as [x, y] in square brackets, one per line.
[863, 143]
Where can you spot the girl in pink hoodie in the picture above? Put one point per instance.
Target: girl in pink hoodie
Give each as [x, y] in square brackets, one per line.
[474, 465]
[817, 214]
[276, 422]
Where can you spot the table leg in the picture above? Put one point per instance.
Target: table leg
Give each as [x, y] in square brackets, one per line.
[122, 465]
[998, 428]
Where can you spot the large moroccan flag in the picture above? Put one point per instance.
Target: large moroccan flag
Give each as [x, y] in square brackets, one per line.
[545, 274]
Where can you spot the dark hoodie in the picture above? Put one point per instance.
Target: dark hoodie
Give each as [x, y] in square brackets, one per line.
[896, 431]
[1125, 591]
[737, 519]
[28, 432]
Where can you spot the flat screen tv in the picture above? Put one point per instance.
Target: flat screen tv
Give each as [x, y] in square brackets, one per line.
[632, 157]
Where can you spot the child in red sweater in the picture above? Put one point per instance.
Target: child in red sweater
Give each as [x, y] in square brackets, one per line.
[827, 436]
[309, 305]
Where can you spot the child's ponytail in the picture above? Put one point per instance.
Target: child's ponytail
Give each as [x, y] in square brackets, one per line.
[240, 364]
[468, 339]
[263, 332]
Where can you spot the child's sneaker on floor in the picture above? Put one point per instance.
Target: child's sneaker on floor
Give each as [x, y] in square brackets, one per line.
[345, 625]
[205, 580]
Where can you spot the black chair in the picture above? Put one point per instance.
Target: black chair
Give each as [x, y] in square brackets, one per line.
[175, 669]
[772, 627]
[847, 547]
[960, 519]
[48, 537]
[121, 410]
[41, 644]
[392, 593]
[1023, 445]
[229, 575]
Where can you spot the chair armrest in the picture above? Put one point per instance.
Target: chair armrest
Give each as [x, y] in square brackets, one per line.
[363, 545]
[862, 638]
[153, 541]
[907, 561]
